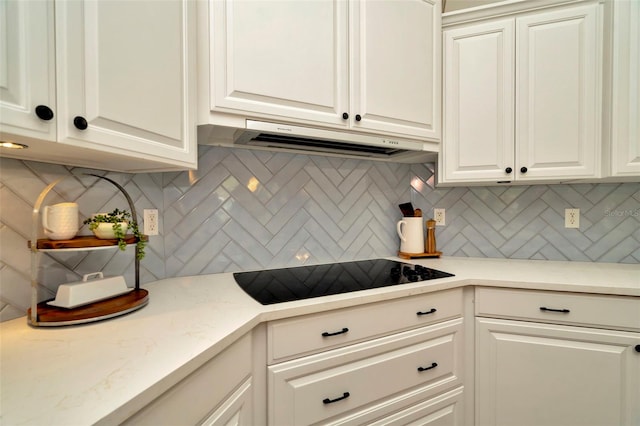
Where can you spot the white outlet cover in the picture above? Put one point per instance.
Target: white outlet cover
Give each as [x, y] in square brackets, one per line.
[151, 222]
[439, 217]
[572, 218]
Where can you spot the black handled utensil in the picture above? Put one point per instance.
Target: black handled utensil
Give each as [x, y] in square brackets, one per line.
[407, 209]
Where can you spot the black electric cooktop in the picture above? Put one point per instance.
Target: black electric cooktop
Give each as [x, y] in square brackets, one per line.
[305, 282]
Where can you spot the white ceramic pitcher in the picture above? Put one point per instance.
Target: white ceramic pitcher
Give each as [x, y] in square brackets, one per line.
[60, 221]
[411, 235]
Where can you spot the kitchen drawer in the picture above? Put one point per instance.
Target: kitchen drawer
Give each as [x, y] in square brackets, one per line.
[193, 398]
[443, 410]
[610, 312]
[311, 333]
[332, 384]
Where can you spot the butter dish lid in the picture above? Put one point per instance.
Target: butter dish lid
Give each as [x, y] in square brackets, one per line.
[93, 287]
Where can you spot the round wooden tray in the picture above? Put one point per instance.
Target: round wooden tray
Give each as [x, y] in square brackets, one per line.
[51, 316]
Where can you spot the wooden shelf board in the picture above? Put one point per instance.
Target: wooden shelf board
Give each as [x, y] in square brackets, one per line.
[119, 305]
[85, 241]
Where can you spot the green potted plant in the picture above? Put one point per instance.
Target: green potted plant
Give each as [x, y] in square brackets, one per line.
[115, 225]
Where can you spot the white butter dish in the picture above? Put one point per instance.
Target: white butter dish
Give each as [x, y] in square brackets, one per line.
[93, 287]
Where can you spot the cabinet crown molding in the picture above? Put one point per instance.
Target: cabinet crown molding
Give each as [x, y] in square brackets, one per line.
[502, 9]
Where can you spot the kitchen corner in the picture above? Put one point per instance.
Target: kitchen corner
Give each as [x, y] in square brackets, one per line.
[102, 373]
[282, 136]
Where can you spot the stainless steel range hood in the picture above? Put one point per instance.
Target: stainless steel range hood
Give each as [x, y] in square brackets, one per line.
[307, 140]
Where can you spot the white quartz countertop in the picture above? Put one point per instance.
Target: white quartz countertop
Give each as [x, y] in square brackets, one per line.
[104, 372]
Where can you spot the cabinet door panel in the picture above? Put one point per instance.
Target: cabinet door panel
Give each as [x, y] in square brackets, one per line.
[558, 93]
[123, 66]
[535, 374]
[395, 67]
[220, 390]
[284, 58]
[27, 67]
[626, 89]
[479, 110]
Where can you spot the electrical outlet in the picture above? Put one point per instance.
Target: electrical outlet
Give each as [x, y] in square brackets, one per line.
[572, 218]
[151, 222]
[438, 216]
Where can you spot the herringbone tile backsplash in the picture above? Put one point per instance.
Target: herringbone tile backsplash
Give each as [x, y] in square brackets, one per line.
[244, 210]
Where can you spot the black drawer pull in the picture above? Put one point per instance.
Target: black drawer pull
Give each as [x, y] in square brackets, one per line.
[430, 311]
[327, 334]
[433, 365]
[330, 401]
[637, 348]
[564, 311]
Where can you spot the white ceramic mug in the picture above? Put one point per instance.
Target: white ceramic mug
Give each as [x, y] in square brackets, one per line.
[60, 221]
[411, 235]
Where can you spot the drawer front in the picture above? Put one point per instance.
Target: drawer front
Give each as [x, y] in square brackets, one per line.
[318, 332]
[444, 410]
[321, 386]
[614, 312]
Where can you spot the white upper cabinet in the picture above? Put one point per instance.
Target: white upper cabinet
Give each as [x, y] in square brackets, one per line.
[625, 111]
[370, 66]
[124, 83]
[395, 67]
[27, 69]
[285, 58]
[523, 97]
[558, 94]
[479, 103]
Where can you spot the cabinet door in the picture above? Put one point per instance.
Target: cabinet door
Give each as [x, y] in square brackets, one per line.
[626, 89]
[218, 392]
[537, 374]
[558, 94]
[125, 68]
[395, 60]
[237, 410]
[478, 103]
[27, 68]
[285, 58]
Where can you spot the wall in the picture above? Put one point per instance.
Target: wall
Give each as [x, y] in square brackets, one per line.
[244, 210]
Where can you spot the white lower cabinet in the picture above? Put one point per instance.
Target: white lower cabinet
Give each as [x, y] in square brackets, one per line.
[221, 392]
[399, 376]
[531, 373]
[361, 377]
[443, 410]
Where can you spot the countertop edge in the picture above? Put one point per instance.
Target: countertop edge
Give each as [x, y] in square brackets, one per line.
[187, 304]
[313, 307]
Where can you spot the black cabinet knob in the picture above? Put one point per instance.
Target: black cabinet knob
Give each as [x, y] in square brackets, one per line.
[358, 117]
[345, 116]
[637, 348]
[523, 170]
[80, 123]
[508, 170]
[44, 112]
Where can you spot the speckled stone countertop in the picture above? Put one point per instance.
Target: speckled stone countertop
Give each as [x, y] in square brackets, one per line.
[106, 371]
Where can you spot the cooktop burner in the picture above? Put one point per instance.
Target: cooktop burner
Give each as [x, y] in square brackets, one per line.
[305, 282]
